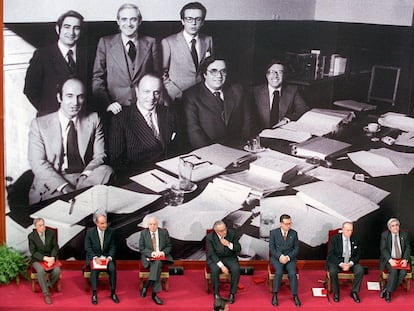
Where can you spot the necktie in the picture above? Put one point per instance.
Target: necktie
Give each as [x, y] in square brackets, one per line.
[42, 237]
[194, 53]
[101, 238]
[217, 95]
[132, 52]
[284, 235]
[397, 249]
[71, 61]
[274, 112]
[154, 241]
[151, 125]
[346, 254]
[75, 164]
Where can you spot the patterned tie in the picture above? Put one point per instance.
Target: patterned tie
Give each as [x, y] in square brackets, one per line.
[42, 237]
[154, 241]
[71, 61]
[397, 249]
[346, 254]
[284, 235]
[274, 112]
[75, 163]
[151, 125]
[194, 54]
[132, 51]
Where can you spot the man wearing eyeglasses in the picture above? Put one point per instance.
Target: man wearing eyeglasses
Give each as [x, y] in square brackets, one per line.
[214, 111]
[275, 101]
[183, 52]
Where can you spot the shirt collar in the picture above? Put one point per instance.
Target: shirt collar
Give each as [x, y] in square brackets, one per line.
[145, 112]
[64, 49]
[213, 91]
[125, 40]
[188, 37]
[64, 121]
[272, 89]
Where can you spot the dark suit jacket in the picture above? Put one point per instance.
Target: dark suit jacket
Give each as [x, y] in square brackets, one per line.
[278, 246]
[205, 121]
[132, 142]
[45, 151]
[291, 104]
[335, 251]
[177, 61]
[38, 250]
[47, 70]
[216, 251]
[145, 245]
[93, 245]
[113, 80]
[386, 247]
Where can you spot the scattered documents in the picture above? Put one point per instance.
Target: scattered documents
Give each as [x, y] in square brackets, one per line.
[155, 180]
[335, 200]
[319, 292]
[373, 286]
[220, 155]
[285, 134]
[320, 147]
[397, 120]
[354, 105]
[274, 169]
[405, 139]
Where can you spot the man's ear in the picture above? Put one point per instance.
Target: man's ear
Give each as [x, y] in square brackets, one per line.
[57, 30]
[59, 98]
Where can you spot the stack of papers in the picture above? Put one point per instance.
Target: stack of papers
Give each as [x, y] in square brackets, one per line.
[320, 147]
[354, 105]
[285, 134]
[273, 169]
[397, 120]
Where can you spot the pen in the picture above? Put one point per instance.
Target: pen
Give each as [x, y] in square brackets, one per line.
[159, 178]
[72, 203]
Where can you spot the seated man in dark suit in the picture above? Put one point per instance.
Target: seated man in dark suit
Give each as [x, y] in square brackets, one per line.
[222, 249]
[143, 132]
[343, 255]
[155, 248]
[100, 246]
[44, 248]
[276, 101]
[66, 148]
[394, 247]
[284, 247]
[215, 112]
[52, 65]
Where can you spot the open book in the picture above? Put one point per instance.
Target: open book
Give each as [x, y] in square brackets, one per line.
[320, 147]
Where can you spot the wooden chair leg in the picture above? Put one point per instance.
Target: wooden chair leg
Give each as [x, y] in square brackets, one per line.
[34, 285]
[207, 286]
[166, 285]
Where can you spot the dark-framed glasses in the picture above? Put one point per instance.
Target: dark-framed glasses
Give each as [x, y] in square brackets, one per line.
[189, 19]
[216, 72]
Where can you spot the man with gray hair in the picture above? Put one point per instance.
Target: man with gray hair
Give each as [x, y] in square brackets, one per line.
[395, 255]
[44, 249]
[100, 247]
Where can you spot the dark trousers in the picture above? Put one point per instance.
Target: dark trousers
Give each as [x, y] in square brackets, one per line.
[395, 278]
[291, 270]
[112, 276]
[155, 268]
[234, 268]
[358, 271]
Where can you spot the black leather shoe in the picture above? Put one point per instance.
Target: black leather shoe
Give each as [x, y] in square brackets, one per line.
[387, 297]
[144, 292]
[94, 299]
[336, 298]
[382, 293]
[297, 301]
[355, 296]
[232, 298]
[157, 300]
[216, 296]
[274, 300]
[115, 298]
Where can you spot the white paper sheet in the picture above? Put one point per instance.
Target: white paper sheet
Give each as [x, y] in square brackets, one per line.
[285, 134]
[149, 180]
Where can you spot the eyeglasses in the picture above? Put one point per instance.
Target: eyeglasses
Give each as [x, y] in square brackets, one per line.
[275, 73]
[192, 19]
[216, 72]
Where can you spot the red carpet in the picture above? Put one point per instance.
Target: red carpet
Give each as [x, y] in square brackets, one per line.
[187, 292]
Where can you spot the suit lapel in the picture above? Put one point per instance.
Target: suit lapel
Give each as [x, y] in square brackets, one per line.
[84, 134]
[117, 54]
[264, 104]
[209, 102]
[53, 134]
[142, 54]
[229, 104]
[183, 46]
[283, 102]
[203, 47]
[162, 116]
[58, 61]
[139, 127]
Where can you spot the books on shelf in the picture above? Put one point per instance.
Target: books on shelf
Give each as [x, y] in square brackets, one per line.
[320, 147]
[354, 105]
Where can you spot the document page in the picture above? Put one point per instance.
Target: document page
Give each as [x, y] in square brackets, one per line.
[374, 164]
[285, 134]
[155, 180]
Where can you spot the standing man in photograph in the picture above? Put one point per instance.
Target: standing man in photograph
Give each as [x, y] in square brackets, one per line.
[276, 101]
[284, 247]
[343, 255]
[52, 65]
[222, 249]
[100, 247]
[183, 52]
[66, 148]
[155, 247]
[395, 256]
[121, 60]
[43, 247]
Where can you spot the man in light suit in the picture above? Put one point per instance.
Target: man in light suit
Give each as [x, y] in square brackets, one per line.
[276, 101]
[144, 132]
[181, 56]
[343, 255]
[121, 60]
[44, 248]
[66, 148]
[155, 248]
[394, 247]
[215, 112]
[52, 65]
[100, 246]
[222, 249]
[284, 247]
